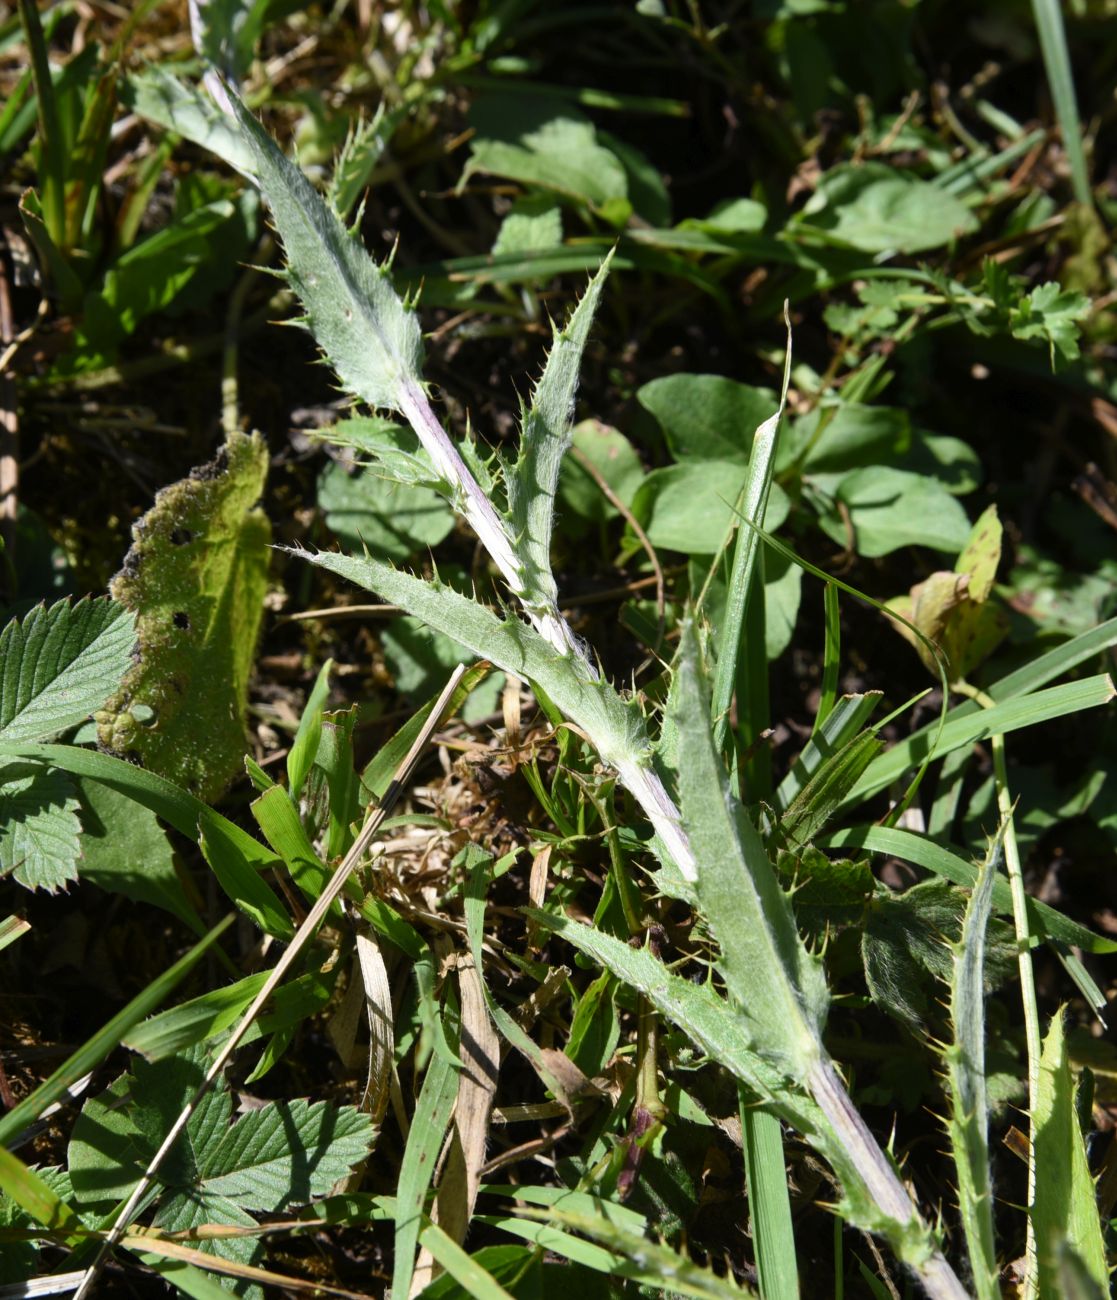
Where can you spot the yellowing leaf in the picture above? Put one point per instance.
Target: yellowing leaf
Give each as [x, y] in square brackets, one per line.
[951, 609]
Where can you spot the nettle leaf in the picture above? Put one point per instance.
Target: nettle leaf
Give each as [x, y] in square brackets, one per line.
[39, 827]
[196, 577]
[283, 1154]
[59, 664]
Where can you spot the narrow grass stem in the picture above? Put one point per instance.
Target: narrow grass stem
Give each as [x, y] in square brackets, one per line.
[1032, 1033]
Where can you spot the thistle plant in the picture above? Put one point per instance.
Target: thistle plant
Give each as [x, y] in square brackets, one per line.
[769, 1030]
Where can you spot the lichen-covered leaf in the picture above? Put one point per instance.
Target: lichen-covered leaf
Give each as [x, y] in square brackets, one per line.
[196, 577]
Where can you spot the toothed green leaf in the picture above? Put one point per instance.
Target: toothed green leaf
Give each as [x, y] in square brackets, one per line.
[372, 340]
[546, 435]
[39, 827]
[59, 664]
[969, 1111]
[779, 988]
[282, 1154]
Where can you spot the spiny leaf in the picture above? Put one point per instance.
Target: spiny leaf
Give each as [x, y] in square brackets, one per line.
[965, 1058]
[727, 1038]
[1065, 1212]
[372, 340]
[546, 435]
[779, 988]
[616, 726]
[59, 664]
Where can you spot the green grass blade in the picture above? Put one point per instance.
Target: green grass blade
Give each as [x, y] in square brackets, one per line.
[53, 180]
[969, 1111]
[177, 807]
[11, 928]
[32, 1194]
[105, 1039]
[965, 728]
[1060, 78]
[242, 857]
[848, 716]
[745, 554]
[1065, 1213]
[831, 656]
[474, 1280]
[428, 1129]
[305, 745]
[1038, 672]
[773, 1237]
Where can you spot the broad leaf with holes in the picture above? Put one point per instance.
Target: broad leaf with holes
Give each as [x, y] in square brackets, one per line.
[196, 577]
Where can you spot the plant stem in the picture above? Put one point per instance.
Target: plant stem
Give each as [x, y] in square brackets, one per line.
[878, 1176]
[1032, 1033]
